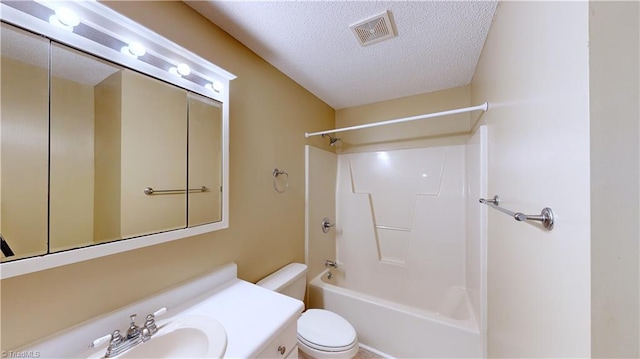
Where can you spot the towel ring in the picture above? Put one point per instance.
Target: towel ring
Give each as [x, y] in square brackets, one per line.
[276, 173]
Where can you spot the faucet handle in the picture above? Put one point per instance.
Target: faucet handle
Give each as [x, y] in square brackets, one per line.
[150, 321]
[160, 311]
[115, 343]
[100, 341]
[329, 263]
[113, 338]
[116, 338]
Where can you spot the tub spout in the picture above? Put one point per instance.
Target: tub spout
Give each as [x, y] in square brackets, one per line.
[331, 264]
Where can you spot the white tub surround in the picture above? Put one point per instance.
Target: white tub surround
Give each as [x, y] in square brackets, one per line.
[253, 317]
[399, 330]
[401, 224]
[410, 248]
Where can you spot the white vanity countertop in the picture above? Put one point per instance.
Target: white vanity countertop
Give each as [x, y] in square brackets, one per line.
[251, 315]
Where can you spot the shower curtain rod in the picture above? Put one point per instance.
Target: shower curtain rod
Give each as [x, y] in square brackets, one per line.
[483, 107]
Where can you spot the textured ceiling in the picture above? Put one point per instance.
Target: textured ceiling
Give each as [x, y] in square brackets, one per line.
[438, 44]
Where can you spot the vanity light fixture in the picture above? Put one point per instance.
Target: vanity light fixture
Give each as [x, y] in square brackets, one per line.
[103, 31]
[216, 86]
[134, 49]
[181, 70]
[65, 18]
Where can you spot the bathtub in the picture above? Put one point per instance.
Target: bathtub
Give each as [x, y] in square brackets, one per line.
[399, 330]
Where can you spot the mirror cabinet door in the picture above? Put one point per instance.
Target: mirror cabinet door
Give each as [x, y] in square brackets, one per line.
[154, 155]
[24, 154]
[205, 161]
[75, 179]
[114, 133]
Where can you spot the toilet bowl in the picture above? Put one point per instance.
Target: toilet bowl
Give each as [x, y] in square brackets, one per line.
[325, 334]
[321, 333]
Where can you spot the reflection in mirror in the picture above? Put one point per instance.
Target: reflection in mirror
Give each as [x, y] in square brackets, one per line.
[114, 132]
[24, 116]
[74, 77]
[154, 155]
[205, 161]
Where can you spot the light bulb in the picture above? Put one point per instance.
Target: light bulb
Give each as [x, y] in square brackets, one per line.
[134, 49]
[64, 18]
[216, 86]
[183, 69]
[67, 17]
[137, 49]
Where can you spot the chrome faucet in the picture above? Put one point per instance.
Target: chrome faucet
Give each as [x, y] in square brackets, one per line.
[134, 331]
[150, 327]
[134, 335]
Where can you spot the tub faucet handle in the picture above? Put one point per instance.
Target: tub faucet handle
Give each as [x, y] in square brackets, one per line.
[326, 225]
[331, 264]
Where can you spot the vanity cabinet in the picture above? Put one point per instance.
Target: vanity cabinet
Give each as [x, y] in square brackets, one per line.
[257, 321]
[284, 345]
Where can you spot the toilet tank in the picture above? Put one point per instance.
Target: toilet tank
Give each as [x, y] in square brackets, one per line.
[290, 280]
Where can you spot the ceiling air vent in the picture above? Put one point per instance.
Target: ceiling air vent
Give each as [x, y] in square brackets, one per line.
[375, 29]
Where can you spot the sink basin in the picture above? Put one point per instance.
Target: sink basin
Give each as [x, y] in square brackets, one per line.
[191, 336]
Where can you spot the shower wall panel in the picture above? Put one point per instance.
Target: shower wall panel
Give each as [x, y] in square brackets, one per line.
[401, 219]
[476, 264]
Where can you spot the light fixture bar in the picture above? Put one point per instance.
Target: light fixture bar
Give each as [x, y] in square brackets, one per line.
[103, 32]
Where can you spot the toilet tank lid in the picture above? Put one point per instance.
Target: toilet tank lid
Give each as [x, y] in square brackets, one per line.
[283, 276]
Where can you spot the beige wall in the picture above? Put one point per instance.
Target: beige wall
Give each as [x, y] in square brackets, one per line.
[71, 177]
[24, 172]
[154, 154]
[269, 115]
[534, 71]
[449, 130]
[614, 79]
[108, 151]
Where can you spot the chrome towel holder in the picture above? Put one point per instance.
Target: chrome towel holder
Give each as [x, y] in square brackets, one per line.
[150, 191]
[546, 217]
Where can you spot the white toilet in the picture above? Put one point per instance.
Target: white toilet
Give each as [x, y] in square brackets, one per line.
[321, 333]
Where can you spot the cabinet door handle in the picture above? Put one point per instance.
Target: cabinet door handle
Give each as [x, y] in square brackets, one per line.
[282, 349]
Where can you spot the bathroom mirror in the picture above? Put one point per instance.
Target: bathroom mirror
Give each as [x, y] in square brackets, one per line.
[102, 143]
[205, 161]
[24, 153]
[114, 133]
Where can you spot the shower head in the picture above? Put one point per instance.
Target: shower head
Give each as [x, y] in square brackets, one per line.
[332, 140]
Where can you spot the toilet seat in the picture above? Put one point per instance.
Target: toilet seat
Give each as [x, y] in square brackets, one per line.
[324, 348]
[325, 331]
